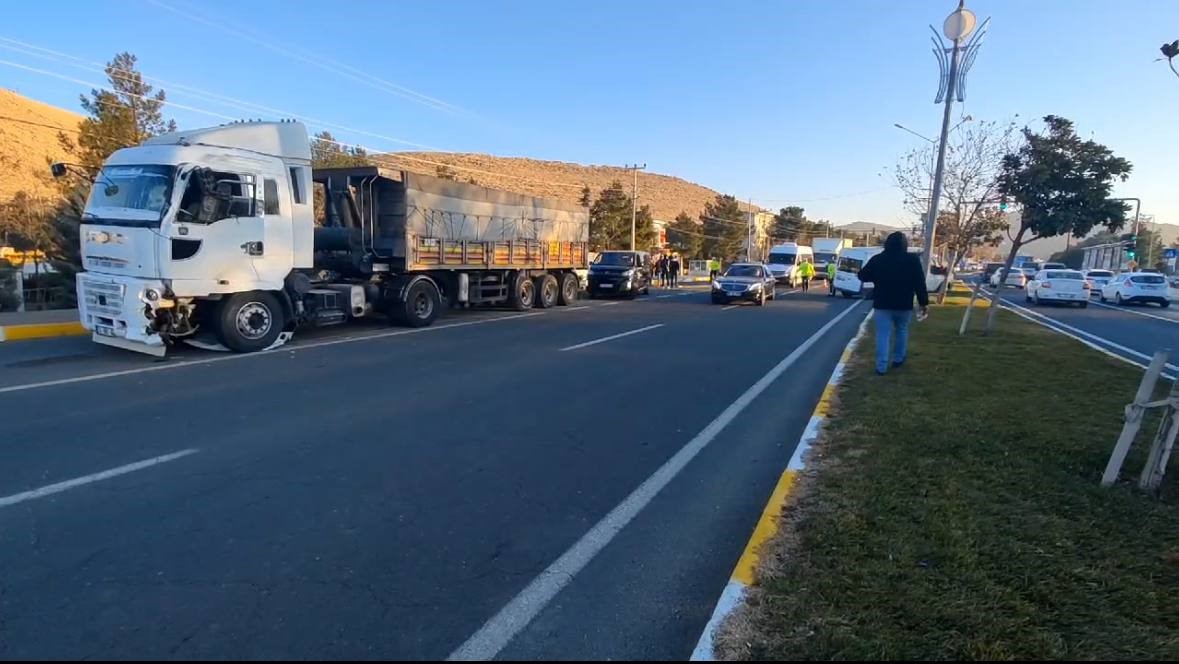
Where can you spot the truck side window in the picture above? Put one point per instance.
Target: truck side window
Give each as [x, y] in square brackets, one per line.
[297, 192]
[270, 194]
[234, 196]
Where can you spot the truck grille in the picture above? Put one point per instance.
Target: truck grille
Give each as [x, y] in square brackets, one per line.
[103, 299]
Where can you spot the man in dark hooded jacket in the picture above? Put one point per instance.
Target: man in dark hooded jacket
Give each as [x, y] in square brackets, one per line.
[896, 276]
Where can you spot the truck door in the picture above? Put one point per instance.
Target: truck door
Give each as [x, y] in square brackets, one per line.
[215, 228]
[275, 258]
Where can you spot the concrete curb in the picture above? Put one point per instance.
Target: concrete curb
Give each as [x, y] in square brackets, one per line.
[41, 331]
[734, 594]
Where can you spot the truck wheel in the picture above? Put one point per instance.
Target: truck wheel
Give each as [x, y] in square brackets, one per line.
[523, 293]
[421, 306]
[547, 291]
[569, 288]
[250, 322]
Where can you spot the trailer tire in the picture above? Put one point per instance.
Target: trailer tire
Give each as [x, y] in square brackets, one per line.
[421, 305]
[570, 285]
[523, 293]
[547, 291]
[250, 322]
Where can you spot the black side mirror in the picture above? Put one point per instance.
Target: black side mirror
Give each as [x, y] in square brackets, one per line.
[58, 169]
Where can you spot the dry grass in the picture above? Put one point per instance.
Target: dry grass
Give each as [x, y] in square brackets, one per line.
[953, 511]
[28, 137]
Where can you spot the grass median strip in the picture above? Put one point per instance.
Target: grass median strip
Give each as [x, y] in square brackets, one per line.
[952, 511]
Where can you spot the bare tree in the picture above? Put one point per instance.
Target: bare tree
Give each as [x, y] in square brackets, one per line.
[974, 157]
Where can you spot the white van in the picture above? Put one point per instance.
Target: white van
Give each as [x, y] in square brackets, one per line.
[784, 260]
[847, 271]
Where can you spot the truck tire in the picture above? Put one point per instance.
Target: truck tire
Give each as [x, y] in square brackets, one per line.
[523, 293]
[570, 286]
[250, 322]
[421, 306]
[547, 291]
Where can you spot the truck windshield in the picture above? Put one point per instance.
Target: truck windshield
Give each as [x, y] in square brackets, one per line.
[130, 195]
[782, 259]
[824, 257]
[615, 258]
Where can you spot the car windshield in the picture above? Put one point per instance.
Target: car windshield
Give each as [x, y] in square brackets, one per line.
[782, 259]
[130, 195]
[743, 271]
[1062, 274]
[824, 256]
[621, 258]
[1148, 279]
[848, 264]
[1100, 274]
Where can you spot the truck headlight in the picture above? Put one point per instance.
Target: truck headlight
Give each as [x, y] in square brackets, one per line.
[151, 295]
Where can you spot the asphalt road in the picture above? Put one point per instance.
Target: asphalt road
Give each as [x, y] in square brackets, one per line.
[376, 492]
[1131, 331]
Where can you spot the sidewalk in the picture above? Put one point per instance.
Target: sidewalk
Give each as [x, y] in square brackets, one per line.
[21, 325]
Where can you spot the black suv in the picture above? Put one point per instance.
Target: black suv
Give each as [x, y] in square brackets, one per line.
[620, 272]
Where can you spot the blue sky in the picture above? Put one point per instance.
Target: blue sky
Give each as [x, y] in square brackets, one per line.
[779, 101]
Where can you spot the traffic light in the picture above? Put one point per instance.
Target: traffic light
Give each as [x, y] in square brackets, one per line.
[1130, 244]
[1003, 205]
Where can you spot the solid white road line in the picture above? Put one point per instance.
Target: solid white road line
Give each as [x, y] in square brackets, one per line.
[229, 358]
[731, 306]
[96, 477]
[612, 337]
[497, 632]
[1137, 313]
[608, 304]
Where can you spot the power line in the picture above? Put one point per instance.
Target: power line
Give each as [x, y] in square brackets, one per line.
[315, 60]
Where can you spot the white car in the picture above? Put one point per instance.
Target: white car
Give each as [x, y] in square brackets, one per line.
[1015, 279]
[1066, 286]
[1137, 287]
[1097, 280]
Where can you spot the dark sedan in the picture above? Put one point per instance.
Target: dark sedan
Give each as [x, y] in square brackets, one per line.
[752, 282]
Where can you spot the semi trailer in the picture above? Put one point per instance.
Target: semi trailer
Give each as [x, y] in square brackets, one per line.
[226, 235]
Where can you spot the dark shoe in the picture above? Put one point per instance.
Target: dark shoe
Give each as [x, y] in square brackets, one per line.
[880, 373]
[897, 365]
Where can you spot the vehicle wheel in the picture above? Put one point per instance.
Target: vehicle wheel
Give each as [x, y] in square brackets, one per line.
[1164, 305]
[1118, 299]
[569, 288]
[1101, 296]
[421, 306]
[547, 291]
[250, 322]
[523, 293]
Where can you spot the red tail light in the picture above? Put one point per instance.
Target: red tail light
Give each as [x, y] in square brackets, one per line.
[1046, 284]
[1086, 285]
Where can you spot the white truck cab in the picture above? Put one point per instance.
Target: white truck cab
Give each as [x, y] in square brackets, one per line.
[206, 214]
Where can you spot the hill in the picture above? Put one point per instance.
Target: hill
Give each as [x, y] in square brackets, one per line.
[28, 136]
[667, 195]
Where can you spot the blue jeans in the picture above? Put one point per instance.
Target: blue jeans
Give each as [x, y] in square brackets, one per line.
[886, 321]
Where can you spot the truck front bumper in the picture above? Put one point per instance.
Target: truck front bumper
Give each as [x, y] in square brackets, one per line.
[118, 312]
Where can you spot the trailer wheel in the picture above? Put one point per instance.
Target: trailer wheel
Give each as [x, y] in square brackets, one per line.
[570, 285]
[250, 322]
[421, 306]
[547, 291]
[523, 293]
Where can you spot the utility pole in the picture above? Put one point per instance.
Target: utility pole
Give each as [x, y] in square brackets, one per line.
[749, 234]
[634, 203]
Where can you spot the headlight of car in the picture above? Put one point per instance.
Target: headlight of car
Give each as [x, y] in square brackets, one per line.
[754, 286]
[716, 285]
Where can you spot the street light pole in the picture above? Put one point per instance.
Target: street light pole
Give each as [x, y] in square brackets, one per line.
[957, 27]
[634, 203]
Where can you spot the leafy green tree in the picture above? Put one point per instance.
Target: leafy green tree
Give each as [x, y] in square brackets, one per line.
[326, 152]
[126, 113]
[684, 236]
[610, 217]
[792, 225]
[1061, 184]
[725, 228]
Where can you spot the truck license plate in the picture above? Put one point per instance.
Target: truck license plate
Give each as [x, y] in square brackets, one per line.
[104, 331]
[605, 285]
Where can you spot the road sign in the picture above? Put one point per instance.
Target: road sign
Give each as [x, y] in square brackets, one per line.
[1171, 252]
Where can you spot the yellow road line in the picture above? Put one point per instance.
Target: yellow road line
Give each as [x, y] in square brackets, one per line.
[767, 527]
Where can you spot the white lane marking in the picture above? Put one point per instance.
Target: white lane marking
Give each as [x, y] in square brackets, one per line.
[608, 304]
[579, 308]
[96, 477]
[731, 306]
[1137, 313]
[230, 358]
[497, 632]
[612, 337]
[1068, 331]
